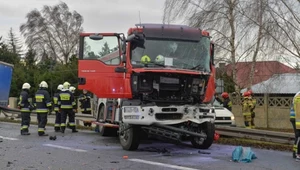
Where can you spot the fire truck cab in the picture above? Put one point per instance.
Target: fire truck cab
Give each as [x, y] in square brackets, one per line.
[157, 81]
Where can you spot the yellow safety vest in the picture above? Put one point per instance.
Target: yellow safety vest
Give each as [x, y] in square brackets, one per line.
[297, 110]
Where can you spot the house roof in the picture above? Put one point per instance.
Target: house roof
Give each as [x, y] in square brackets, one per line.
[288, 83]
[263, 71]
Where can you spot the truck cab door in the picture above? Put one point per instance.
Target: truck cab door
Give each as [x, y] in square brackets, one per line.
[100, 69]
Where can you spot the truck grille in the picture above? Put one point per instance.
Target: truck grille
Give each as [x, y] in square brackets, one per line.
[168, 116]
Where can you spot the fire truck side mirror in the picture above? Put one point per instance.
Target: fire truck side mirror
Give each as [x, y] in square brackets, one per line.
[96, 37]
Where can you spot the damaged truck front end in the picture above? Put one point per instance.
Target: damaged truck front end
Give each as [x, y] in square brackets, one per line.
[163, 83]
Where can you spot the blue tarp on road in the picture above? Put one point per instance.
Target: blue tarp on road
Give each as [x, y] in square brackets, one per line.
[243, 154]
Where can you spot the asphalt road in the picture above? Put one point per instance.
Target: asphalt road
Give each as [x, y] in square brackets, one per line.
[88, 150]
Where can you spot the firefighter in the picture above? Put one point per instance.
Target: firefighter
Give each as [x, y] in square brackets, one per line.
[226, 101]
[25, 107]
[43, 106]
[56, 108]
[85, 102]
[252, 110]
[67, 107]
[295, 120]
[72, 90]
[247, 106]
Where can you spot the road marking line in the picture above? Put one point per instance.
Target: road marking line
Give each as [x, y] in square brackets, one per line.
[162, 164]
[64, 147]
[8, 138]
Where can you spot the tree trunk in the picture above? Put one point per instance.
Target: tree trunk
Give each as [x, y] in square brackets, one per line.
[232, 44]
[259, 37]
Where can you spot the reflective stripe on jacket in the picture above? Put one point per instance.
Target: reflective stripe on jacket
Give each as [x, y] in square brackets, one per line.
[24, 102]
[42, 101]
[55, 102]
[66, 100]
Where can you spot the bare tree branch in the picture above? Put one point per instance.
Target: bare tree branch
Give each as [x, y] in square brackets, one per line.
[54, 30]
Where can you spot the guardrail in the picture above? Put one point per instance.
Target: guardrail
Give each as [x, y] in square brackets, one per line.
[255, 134]
[15, 113]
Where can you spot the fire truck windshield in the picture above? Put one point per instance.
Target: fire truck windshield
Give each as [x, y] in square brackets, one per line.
[172, 53]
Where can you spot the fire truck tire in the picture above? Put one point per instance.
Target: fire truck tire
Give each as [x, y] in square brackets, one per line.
[129, 139]
[209, 129]
[104, 131]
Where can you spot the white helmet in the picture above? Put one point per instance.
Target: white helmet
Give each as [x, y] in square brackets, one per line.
[26, 86]
[66, 85]
[60, 87]
[72, 89]
[160, 59]
[44, 84]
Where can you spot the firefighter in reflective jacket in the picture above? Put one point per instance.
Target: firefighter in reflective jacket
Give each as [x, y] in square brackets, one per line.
[226, 101]
[25, 107]
[67, 107]
[252, 110]
[56, 108]
[43, 106]
[72, 90]
[247, 106]
[296, 125]
[85, 102]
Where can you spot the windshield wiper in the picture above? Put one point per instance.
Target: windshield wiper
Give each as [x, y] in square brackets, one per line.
[201, 68]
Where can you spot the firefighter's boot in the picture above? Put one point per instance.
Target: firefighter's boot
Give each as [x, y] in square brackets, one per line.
[74, 129]
[42, 134]
[25, 132]
[62, 129]
[57, 129]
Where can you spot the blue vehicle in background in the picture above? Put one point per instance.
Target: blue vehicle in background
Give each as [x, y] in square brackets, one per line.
[6, 71]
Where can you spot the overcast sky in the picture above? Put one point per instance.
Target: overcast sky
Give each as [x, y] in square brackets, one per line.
[99, 15]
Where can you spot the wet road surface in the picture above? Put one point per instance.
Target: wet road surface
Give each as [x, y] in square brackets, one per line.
[88, 150]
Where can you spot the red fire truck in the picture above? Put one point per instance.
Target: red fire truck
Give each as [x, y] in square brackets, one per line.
[158, 81]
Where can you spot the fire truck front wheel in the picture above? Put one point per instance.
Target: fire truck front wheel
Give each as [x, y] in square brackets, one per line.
[129, 136]
[209, 129]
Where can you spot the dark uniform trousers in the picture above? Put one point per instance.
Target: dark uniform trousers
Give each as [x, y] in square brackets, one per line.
[57, 121]
[43, 119]
[297, 135]
[67, 105]
[71, 114]
[57, 113]
[25, 106]
[43, 106]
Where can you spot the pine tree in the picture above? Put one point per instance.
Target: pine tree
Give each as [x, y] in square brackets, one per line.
[14, 43]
